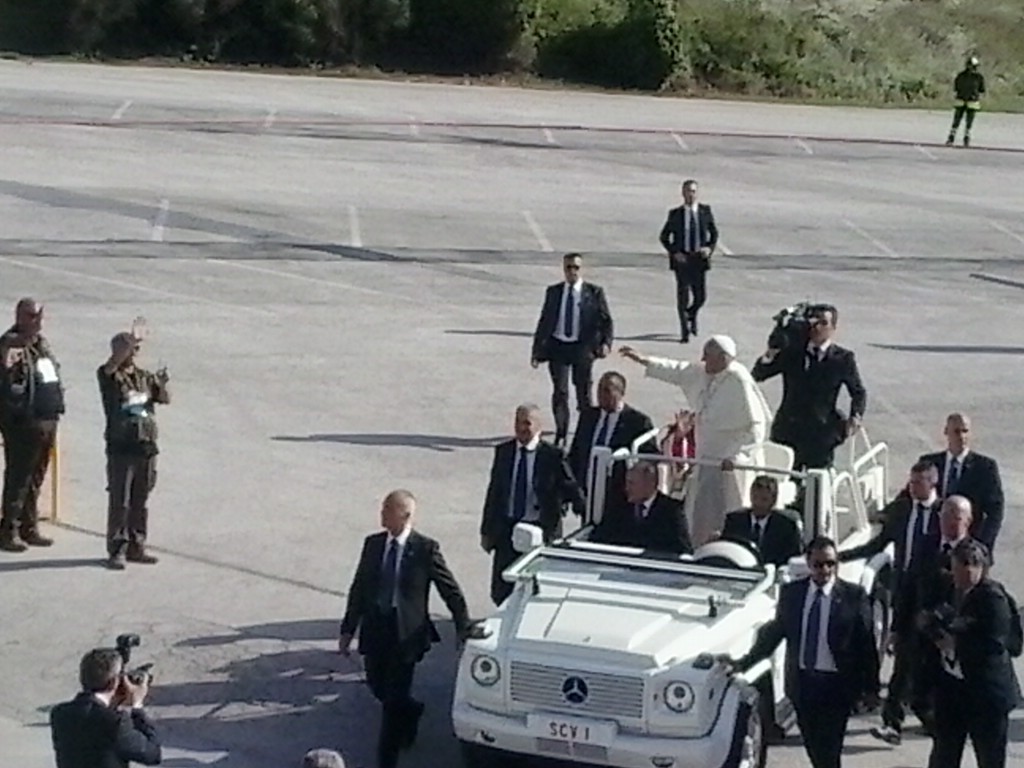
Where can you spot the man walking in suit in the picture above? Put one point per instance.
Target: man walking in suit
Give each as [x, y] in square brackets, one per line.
[690, 237]
[808, 420]
[978, 687]
[575, 327]
[912, 525]
[776, 533]
[530, 482]
[964, 472]
[614, 424]
[831, 659]
[650, 519]
[388, 605]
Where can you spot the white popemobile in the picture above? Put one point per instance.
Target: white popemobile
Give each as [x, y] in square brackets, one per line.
[605, 655]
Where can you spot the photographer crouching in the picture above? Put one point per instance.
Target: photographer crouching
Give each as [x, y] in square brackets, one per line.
[105, 725]
[813, 370]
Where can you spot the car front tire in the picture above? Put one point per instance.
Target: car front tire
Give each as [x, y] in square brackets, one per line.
[749, 747]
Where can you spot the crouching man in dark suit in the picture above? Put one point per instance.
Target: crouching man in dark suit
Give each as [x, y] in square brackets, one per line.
[105, 726]
[776, 533]
[977, 686]
[831, 658]
[649, 519]
[388, 605]
[530, 482]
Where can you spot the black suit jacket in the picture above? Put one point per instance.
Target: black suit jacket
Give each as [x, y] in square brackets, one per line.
[88, 734]
[422, 564]
[981, 630]
[780, 541]
[810, 394]
[553, 486]
[596, 329]
[672, 237]
[850, 638]
[630, 425]
[981, 484]
[664, 529]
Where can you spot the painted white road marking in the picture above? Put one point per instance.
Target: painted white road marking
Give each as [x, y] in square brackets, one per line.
[725, 249]
[119, 112]
[270, 118]
[804, 146]
[873, 240]
[538, 233]
[354, 235]
[414, 129]
[157, 235]
[301, 278]
[1006, 231]
[548, 135]
[679, 140]
[926, 152]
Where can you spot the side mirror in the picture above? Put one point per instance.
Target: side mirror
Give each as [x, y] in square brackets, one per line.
[526, 537]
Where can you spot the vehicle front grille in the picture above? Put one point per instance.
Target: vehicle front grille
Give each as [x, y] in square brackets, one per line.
[615, 696]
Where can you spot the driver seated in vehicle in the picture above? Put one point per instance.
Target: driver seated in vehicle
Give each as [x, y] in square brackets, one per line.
[649, 519]
[775, 533]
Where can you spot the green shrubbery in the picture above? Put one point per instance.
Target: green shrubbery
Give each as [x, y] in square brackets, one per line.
[894, 51]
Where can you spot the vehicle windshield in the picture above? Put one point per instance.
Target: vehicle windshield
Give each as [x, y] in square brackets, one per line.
[696, 583]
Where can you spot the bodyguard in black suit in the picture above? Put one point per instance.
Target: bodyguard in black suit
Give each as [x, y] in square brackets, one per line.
[530, 482]
[575, 327]
[388, 605]
[690, 236]
[776, 533]
[978, 687]
[831, 659]
[808, 420]
[614, 424]
[650, 519]
[96, 729]
[966, 473]
[912, 525]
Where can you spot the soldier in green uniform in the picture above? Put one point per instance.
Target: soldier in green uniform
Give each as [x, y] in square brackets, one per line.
[129, 394]
[31, 404]
[970, 87]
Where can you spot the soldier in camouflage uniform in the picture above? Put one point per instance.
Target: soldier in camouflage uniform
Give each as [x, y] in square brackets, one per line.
[31, 404]
[129, 394]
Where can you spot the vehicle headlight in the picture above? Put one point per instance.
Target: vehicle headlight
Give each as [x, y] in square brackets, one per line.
[485, 670]
[679, 696]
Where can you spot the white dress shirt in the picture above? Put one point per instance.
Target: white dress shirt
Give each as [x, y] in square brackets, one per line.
[824, 661]
[401, 540]
[645, 506]
[612, 420]
[949, 461]
[817, 352]
[532, 512]
[574, 289]
[761, 523]
[916, 522]
[690, 220]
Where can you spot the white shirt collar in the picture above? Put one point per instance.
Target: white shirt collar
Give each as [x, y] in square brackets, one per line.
[103, 698]
[617, 410]
[530, 446]
[953, 543]
[811, 346]
[648, 502]
[575, 284]
[927, 502]
[959, 457]
[402, 537]
[826, 588]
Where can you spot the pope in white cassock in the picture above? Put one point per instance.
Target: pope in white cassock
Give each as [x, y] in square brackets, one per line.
[729, 412]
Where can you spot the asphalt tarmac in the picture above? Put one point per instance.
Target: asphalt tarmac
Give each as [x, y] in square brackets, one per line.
[342, 278]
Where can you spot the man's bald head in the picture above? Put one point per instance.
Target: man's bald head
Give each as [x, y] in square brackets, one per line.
[397, 510]
[958, 433]
[323, 758]
[956, 518]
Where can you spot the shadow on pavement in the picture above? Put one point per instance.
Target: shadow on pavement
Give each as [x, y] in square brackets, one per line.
[529, 334]
[962, 349]
[441, 443]
[10, 566]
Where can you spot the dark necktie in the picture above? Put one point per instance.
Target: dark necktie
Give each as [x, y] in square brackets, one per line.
[520, 492]
[919, 535]
[954, 477]
[602, 435]
[386, 588]
[639, 512]
[570, 315]
[811, 637]
[755, 532]
[694, 235]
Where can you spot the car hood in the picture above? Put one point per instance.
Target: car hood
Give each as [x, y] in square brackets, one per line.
[645, 633]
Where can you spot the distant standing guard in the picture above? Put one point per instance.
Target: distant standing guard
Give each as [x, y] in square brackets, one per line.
[129, 395]
[388, 603]
[690, 237]
[575, 328]
[970, 87]
[31, 404]
[530, 482]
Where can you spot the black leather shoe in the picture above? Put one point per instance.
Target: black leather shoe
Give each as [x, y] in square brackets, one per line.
[412, 727]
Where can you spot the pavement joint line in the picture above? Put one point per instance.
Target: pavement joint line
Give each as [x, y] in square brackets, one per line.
[548, 135]
[803, 145]
[160, 222]
[997, 279]
[1006, 231]
[119, 112]
[926, 152]
[538, 233]
[270, 118]
[872, 239]
[414, 128]
[134, 286]
[355, 236]
[679, 140]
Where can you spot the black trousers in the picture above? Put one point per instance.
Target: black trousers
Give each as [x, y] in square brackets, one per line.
[27, 447]
[130, 480]
[502, 557]
[958, 114]
[907, 684]
[957, 717]
[822, 714]
[566, 359]
[389, 677]
[695, 282]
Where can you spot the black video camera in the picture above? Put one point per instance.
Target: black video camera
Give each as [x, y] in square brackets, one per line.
[939, 621]
[792, 327]
[141, 674]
